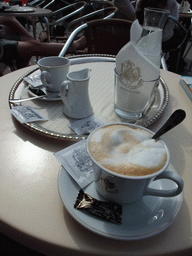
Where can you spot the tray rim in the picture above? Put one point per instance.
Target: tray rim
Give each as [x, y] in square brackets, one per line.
[75, 137]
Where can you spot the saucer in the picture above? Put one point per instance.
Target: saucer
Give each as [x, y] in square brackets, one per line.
[141, 219]
[36, 88]
[38, 91]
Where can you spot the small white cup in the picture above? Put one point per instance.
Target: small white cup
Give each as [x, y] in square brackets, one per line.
[127, 189]
[54, 71]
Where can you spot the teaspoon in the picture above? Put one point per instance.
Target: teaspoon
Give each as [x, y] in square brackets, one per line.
[26, 99]
[176, 118]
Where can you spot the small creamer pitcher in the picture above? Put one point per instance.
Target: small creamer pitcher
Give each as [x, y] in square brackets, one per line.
[75, 94]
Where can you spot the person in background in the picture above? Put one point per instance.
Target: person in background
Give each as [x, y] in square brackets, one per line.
[171, 37]
[126, 9]
[16, 43]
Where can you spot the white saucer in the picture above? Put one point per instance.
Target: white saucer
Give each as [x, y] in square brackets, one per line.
[35, 84]
[49, 96]
[140, 220]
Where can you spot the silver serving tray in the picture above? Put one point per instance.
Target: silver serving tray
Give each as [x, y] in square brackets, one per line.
[101, 91]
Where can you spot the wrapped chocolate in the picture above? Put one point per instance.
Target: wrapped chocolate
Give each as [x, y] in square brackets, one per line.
[109, 211]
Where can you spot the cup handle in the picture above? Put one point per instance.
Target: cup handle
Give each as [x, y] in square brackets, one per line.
[166, 193]
[46, 79]
[64, 89]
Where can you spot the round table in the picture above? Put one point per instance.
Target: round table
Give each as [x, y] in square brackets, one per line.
[38, 12]
[31, 210]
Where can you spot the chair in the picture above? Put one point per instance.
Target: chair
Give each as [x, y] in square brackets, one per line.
[92, 10]
[35, 3]
[103, 36]
[174, 48]
[44, 4]
[96, 5]
[71, 26]
[189, 47]
[68, 13]
[63, 16]
[104, 13]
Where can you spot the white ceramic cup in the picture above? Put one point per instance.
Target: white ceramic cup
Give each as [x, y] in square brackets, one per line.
[54, 71]
[127, 189]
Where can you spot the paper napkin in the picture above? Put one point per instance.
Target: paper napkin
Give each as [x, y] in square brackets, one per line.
[133, 60]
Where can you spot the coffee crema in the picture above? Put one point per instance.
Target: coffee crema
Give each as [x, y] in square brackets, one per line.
[127, 151]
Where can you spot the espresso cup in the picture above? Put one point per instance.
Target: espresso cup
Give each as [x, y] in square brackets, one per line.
[126, 161]
[54, 71]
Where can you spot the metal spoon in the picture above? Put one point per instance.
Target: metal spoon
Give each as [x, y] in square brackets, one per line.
[176, 118]
[37, 91]
[26, 99]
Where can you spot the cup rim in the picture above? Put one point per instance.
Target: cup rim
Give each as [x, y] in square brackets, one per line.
[127, 176]
[157, 10]
[78, 80]
[53, 57]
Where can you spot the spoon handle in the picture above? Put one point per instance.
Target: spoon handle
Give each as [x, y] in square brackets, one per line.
[176, 118]
[23, 100]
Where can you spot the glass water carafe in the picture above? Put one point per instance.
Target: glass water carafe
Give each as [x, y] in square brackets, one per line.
[150, 40]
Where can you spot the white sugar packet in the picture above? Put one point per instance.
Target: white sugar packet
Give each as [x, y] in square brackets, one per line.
[77, 163]
[26, 114]
[86, 125]
[34, 79]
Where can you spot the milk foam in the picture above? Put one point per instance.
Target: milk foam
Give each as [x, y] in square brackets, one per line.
[127, 151]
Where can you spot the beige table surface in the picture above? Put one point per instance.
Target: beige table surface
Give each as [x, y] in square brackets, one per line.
[31, 211]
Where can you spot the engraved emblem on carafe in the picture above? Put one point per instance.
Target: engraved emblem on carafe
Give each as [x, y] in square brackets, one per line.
[130, 75]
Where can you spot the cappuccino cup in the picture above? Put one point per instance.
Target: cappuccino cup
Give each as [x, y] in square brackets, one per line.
[126, 160]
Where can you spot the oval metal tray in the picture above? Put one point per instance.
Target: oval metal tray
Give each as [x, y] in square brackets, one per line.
[101, 91]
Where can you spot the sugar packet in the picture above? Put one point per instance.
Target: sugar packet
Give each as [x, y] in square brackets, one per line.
[34, 79]
[26, 114]
[86, 125]
[77, 163]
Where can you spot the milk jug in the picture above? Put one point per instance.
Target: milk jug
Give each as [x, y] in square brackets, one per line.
[75, 95]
